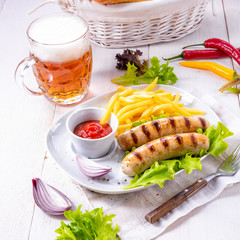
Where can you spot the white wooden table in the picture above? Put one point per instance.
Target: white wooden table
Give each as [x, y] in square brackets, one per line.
[25, 121]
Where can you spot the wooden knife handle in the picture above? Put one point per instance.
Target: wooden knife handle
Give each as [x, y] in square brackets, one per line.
[172, 203]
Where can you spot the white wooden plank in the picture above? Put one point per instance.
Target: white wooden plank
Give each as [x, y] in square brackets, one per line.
[24, 122]
[2, 4]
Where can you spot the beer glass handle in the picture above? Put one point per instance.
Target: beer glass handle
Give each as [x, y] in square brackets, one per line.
[20, 73]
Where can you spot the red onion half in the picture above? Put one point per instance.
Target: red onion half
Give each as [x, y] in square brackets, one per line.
[49, 199]
[91, 168]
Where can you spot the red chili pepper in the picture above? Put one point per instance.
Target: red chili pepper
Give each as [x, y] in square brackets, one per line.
[222, 46]
[200, 54]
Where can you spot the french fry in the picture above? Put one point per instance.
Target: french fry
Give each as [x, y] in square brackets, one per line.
[147, 112]
[132, 105]
[160, 99]
[126, 99]
[194, 111]
[165, 94]
[109, 102]
[121, 88]
[180, 104]
[131, 113]
[124, 126]
[160, 91]
[109, 109]
[126, 92]
[177, 98]
[179, 109]
[128, 121]
[152, 85]
[143, 96]
[161, 107]
[116, 107]
[173, 113]
[144, 92]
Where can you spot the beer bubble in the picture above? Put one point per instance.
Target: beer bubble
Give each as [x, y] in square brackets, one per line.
[58, 38]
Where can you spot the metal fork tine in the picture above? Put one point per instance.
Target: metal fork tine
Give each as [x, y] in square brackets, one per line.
[237, 166]
[234, 157]
[232, 164]
[236, 154]
[236, 163]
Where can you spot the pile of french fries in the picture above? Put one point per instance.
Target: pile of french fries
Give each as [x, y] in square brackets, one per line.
[131, 106]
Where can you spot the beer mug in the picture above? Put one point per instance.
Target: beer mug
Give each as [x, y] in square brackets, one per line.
[60, 57]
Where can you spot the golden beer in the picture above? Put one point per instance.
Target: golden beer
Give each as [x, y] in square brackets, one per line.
[60, 56]
[67, 80]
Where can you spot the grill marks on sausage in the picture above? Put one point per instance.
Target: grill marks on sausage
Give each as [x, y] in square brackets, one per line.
[164, 142]
[134, 137]
[179, 139]
[203, 123]
[172, 122]
[150, 147]
[146, 131]
[156, 125]
[193, 139]
[137, 155]
[187, 122]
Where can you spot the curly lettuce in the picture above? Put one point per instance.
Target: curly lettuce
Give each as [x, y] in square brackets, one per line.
[161, 171]
[216, 136]
[89, 225]
[164, 73]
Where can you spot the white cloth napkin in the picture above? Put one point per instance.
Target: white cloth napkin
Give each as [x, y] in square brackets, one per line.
[130, 209]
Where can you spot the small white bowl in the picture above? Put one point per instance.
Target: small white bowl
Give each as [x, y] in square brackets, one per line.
[91, 148]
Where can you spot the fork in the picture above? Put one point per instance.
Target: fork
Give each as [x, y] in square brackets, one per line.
[228, 168]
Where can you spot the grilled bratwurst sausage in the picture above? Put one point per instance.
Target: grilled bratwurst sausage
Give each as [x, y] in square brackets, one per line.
[160, 128]
[162, 149]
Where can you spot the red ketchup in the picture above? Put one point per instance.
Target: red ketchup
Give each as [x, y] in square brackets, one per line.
[92, 129]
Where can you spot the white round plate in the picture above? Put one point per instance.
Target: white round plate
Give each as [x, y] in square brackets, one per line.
[62, 151]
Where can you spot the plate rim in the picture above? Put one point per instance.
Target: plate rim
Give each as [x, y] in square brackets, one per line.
[87, 102]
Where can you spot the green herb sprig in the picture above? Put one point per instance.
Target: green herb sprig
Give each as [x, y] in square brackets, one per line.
[164, 73]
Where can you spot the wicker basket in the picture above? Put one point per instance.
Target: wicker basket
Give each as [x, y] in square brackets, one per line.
[117, 26]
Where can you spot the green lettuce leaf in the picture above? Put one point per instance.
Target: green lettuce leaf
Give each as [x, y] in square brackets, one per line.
[164, 73]
[88, 226]
[140, 122]
[216, 136]
[161, 171]
[129, 78]
[157, 174]
[189, 163]
[159, 117]
[127, 152]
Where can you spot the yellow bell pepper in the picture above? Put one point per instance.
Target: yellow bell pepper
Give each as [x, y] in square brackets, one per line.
[220, 70]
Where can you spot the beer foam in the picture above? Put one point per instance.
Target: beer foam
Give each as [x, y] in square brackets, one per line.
[58, 38]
